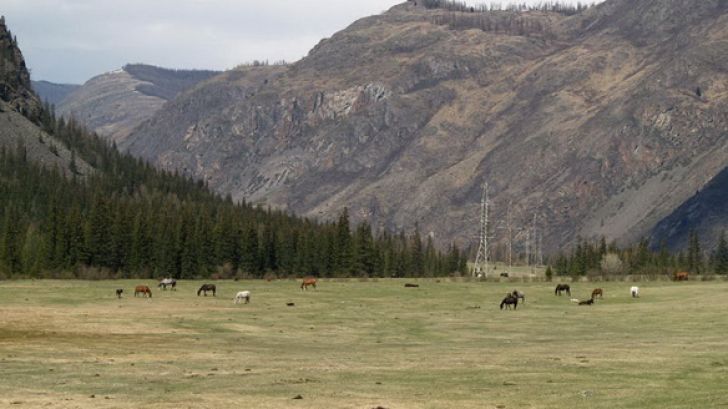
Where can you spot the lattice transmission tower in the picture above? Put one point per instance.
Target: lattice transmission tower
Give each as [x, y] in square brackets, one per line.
[481, 268]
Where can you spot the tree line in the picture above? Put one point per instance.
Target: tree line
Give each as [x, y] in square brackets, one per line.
[566, 9]
[598, 257]
[128, 219]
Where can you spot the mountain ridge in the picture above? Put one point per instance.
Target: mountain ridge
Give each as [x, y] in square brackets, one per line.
[401, 117]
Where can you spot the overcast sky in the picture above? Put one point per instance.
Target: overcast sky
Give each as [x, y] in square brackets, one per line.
[73, 40]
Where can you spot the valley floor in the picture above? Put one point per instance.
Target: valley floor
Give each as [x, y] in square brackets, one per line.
[73, 344]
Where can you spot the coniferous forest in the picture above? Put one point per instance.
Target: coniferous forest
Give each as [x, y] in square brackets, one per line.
[127, 219]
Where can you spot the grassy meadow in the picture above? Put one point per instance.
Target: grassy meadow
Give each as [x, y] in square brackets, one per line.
[73, 344]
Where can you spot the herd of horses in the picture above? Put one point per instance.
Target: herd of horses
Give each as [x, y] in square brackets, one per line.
[241, 296]
[511, 299]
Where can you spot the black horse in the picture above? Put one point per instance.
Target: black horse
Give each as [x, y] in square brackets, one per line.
[521, 296]
[119, 291]
[562, 287]
[587, 302]
[508, 301]
[205, 288]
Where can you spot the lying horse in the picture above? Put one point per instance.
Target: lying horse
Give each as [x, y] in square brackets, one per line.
[242, 295]
[599, 292]
[118, 292]
[508, 301]
[309, 281]
[587, 302]
[681, 276]
[205, 288]
[635, 291]
[562, 287]
[519, 295]
[168, 282]
[144, 290]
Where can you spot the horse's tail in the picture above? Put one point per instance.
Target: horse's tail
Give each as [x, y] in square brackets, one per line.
[200, 291]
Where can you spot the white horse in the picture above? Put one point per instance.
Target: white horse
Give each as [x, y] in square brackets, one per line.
[242, 295]
[168, 282]
[635, 291]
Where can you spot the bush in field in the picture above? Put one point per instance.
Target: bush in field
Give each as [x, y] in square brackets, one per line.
[612, 264]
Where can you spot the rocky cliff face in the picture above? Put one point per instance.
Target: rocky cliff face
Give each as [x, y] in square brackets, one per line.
[20, 111]
[599, 123]
[15, 88]
[114, 103]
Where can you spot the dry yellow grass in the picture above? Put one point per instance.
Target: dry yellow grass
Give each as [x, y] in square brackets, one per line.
[72, 344]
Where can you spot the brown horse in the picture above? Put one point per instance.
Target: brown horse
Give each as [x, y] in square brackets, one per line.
[308, 281]
[681, 276]
[144, 290]
[599, 292]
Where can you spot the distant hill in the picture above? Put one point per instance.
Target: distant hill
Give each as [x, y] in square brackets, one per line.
[114, 103]
[52, 92]
[599, 122]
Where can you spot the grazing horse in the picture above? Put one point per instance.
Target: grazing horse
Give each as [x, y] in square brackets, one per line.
[508, 301]
[587, 302]
[599, 292]
[118, 292]
[309, 281]
[562, 287]
[519, 295]
[410, 285]
[681, 276]
[144, 290]
[635, 291]
[205, 288]
[504, 275]
[168, 282]
[242, 295]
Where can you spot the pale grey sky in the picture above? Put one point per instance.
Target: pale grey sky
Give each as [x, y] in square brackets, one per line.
[73, 40]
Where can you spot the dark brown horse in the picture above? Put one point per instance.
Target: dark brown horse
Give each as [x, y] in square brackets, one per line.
[119, 291]
[599, 292]
[308, 281]
[508, 301]
[143, 290]
[205, 288]
[562, 287]
[587, 302]
[681, 276]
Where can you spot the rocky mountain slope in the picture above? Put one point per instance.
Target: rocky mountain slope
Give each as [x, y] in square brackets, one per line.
[114, 103]
[53, 92]
[600, 123]
[20, 113]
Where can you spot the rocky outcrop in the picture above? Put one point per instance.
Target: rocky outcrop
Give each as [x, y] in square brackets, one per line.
[20, 112]
[600, 123]
[15, 87]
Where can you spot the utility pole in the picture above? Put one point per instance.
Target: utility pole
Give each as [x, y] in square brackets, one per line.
[481, 259]
[509, 228]
[534, 232]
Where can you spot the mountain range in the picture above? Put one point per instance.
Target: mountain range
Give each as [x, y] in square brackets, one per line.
[603, 122]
